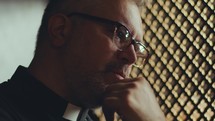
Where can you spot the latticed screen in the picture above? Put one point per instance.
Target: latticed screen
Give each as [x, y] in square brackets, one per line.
[180, 35]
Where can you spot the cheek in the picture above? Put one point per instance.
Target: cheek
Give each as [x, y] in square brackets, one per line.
[97, 48]
[100, 52]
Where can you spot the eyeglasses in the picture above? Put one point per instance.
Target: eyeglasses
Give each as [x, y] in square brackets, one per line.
[122, 37]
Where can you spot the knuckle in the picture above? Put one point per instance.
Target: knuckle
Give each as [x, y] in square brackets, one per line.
[127, 96]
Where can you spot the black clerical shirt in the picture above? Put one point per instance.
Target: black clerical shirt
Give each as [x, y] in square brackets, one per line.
[24, 98]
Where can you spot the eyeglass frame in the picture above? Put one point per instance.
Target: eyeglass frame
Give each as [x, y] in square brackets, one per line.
[117, 25]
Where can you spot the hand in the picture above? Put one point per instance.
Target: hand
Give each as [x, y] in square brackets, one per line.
[133, 100]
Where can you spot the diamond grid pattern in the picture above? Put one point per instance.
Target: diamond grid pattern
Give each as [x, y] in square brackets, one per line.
[180, 35]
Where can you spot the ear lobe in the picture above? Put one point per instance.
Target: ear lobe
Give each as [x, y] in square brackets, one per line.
[57, 28]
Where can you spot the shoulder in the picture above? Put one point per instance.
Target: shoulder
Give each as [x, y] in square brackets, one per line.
[7, 109]
[7, 113]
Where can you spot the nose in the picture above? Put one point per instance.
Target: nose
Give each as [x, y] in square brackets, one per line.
[128, 55]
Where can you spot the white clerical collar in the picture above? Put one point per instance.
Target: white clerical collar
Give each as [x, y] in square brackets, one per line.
[71, 113]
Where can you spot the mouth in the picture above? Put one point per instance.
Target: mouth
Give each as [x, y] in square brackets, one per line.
[118, 71]
[120, 75]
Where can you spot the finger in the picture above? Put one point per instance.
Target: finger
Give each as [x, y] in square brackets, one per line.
[112, 108]
[119, 86]
[108, 113]
[118, 94]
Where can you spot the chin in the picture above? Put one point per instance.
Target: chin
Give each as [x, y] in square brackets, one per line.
[91, 88]
[93, 102]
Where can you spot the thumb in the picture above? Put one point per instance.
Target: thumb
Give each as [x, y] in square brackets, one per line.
[109, 113]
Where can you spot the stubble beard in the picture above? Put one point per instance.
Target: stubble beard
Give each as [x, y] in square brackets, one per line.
[88, 89]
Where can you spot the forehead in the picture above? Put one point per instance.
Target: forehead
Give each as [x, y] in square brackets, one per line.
[123, 11]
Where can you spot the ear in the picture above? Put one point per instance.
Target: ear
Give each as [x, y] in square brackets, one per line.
[57, 28]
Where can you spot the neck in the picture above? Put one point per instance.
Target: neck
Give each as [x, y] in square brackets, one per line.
[50, 74]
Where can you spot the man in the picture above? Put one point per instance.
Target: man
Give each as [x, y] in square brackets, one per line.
[85, 51]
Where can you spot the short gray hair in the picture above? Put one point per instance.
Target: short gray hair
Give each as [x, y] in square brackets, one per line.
[66, 6]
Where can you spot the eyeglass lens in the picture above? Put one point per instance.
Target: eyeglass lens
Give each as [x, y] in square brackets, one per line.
[123, 39]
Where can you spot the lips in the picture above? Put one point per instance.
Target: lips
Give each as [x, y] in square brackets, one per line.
[118, 71]
[119, 74]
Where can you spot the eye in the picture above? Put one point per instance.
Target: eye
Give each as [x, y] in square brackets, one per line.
[122, 37]
[123, 34]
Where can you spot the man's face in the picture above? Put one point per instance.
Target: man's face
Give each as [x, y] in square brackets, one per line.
[92, 61]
